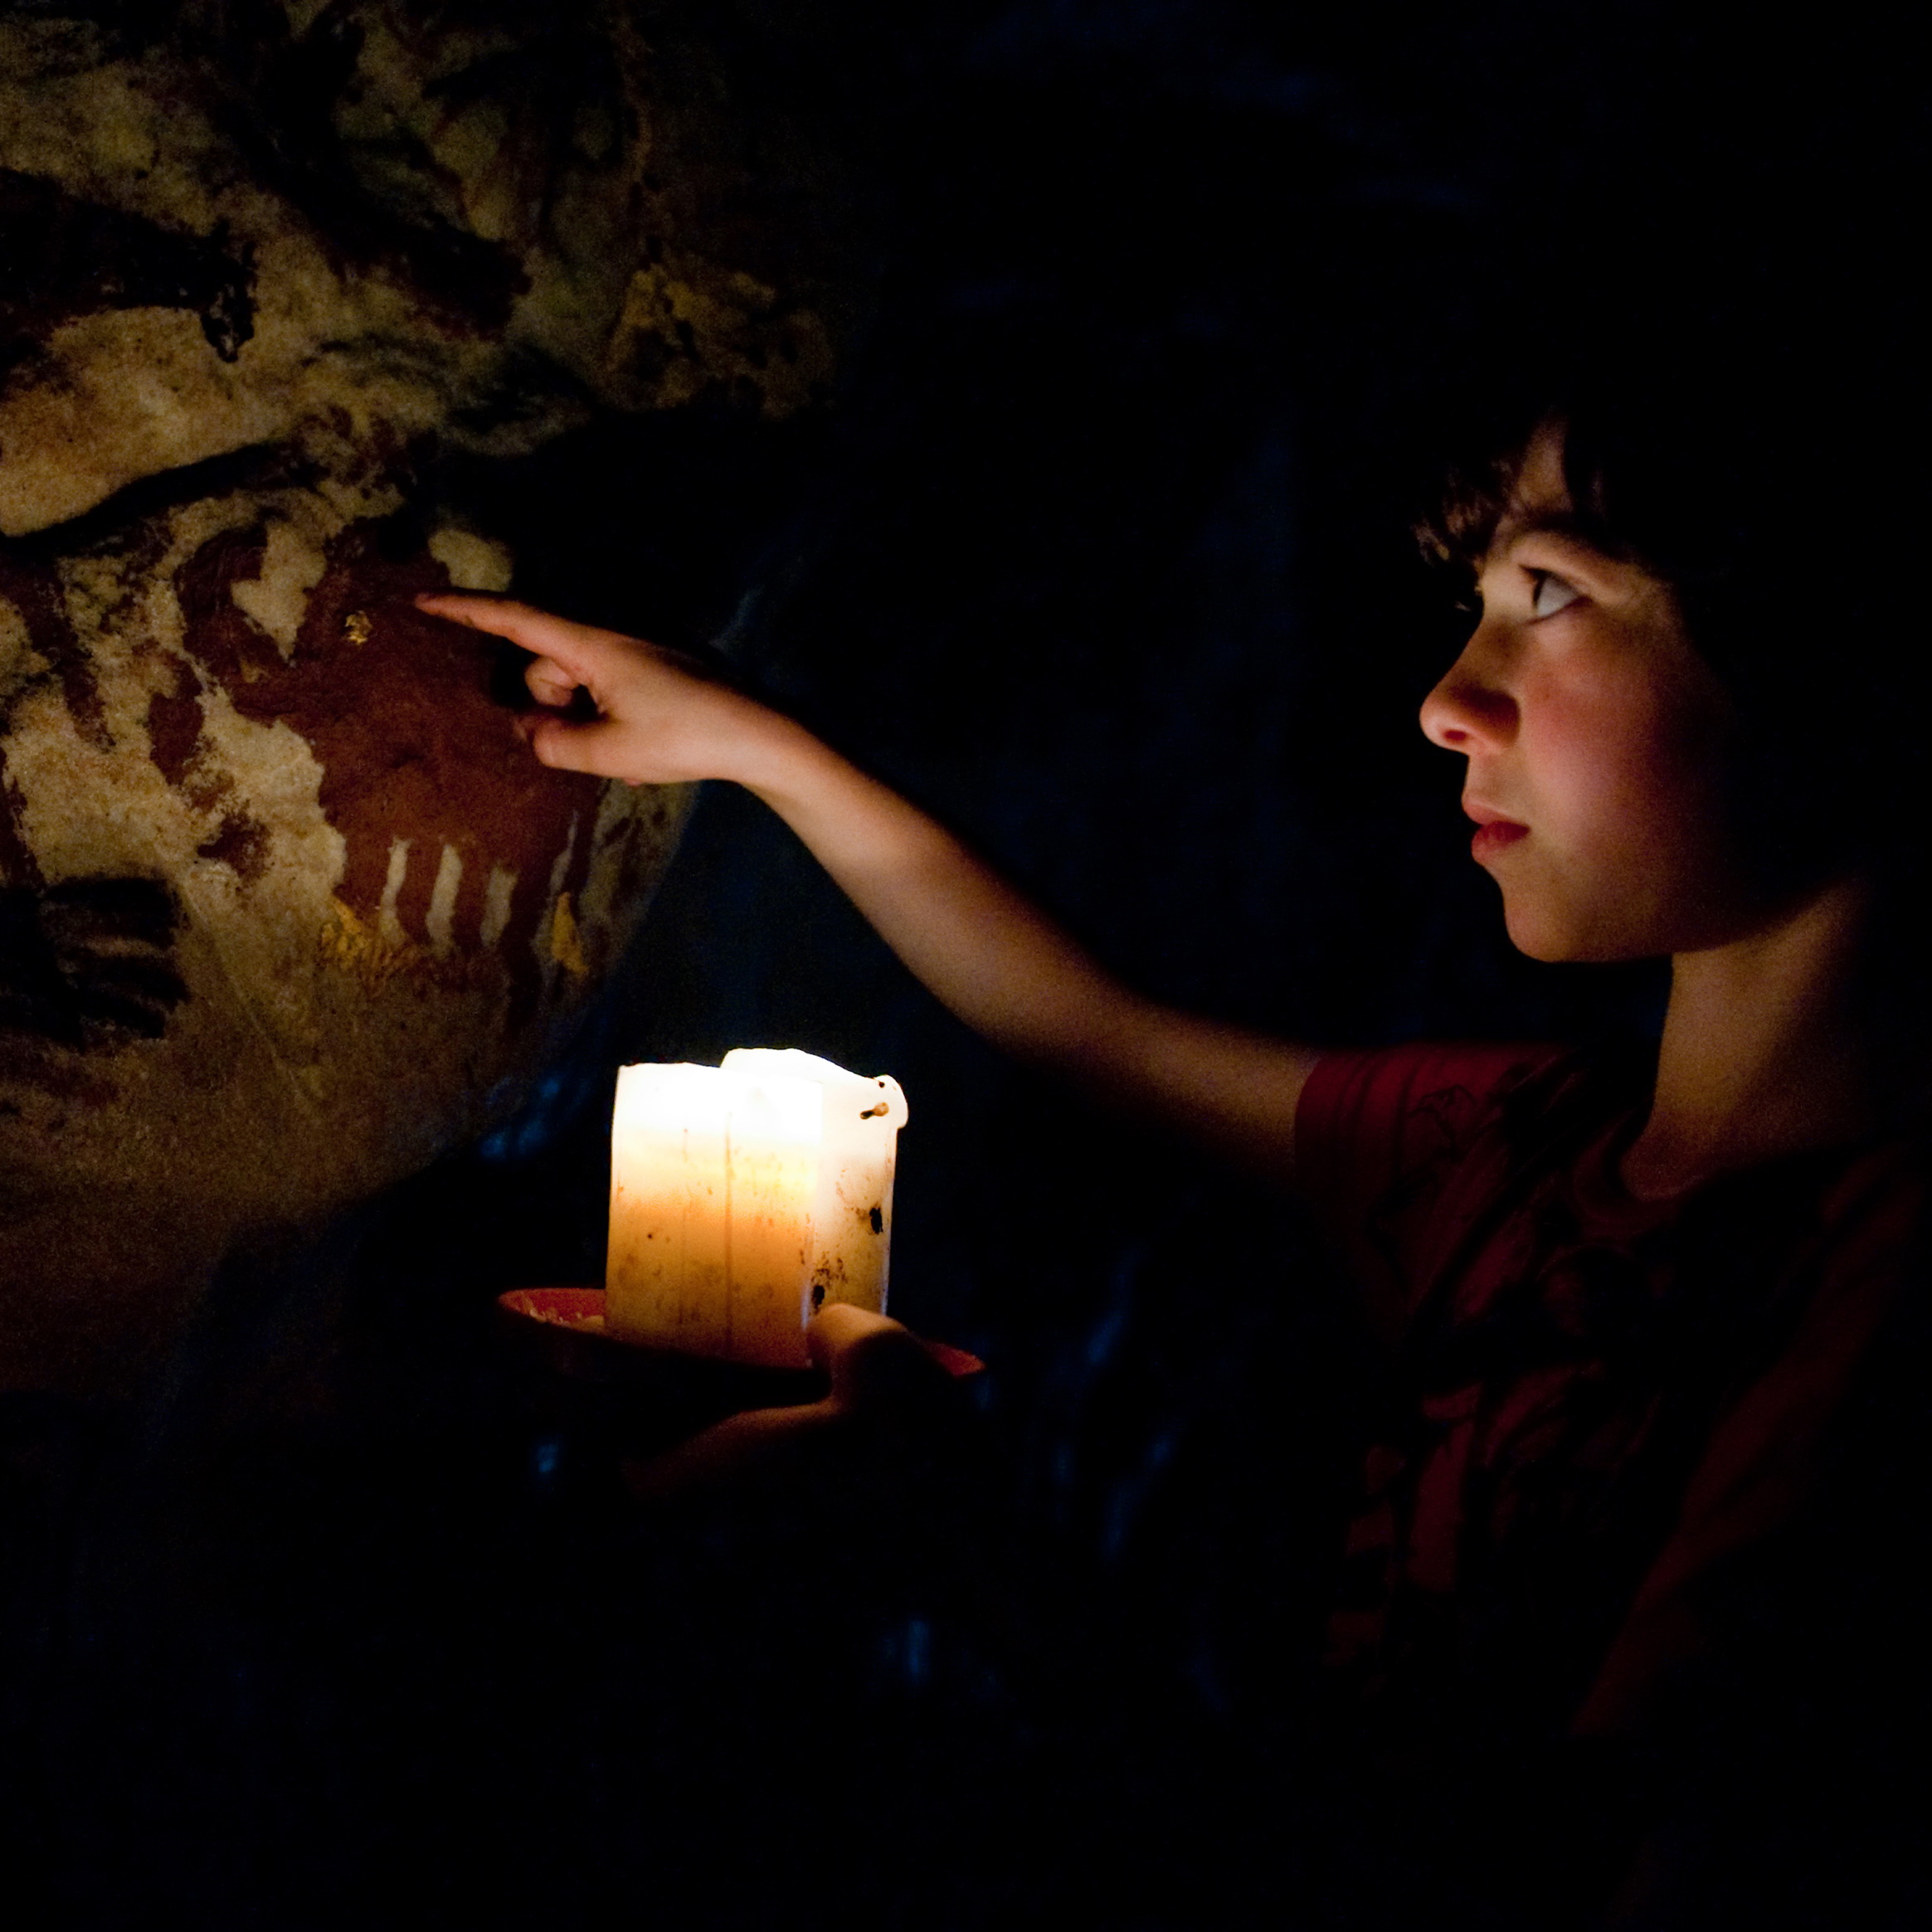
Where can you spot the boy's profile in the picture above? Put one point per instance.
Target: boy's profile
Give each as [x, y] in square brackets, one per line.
[1643, 1312]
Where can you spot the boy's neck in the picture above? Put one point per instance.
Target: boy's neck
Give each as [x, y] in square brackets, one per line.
[1762, 1052]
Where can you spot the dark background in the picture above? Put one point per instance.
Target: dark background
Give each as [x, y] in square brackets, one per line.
[1103, 556]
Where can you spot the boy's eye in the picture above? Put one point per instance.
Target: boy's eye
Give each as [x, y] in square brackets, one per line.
[1548, 594]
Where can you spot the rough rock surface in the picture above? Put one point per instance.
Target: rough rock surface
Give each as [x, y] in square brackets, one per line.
[285, 905]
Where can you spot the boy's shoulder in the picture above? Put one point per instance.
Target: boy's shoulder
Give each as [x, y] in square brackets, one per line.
[1402, 1117]
[1481, 1160]
[1426, 1095]
[1400, 1149]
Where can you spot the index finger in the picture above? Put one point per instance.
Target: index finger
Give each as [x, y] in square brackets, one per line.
[579, 648]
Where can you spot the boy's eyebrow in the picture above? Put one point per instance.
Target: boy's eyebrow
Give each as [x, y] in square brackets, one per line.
[1541, 523]
[1552, 521]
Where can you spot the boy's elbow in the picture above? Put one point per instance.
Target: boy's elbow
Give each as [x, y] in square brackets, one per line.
[1110, 1038]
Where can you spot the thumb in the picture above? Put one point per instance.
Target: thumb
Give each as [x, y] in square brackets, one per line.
[878, 1367]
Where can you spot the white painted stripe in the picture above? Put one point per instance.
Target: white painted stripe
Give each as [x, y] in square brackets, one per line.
[387, 922]
[496, 903]
[442, 912]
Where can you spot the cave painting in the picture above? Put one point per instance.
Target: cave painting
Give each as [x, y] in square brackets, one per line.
[285, 907]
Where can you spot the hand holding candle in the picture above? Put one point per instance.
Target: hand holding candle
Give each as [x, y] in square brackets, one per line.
[892, 1428]
[745, 1196]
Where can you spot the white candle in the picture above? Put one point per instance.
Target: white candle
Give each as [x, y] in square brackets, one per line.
[743, 1197]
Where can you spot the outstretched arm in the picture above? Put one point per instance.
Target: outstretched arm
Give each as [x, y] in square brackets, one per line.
[1001, 966]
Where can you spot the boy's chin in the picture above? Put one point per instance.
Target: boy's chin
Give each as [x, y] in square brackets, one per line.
[1555, 938]
[1532, 931]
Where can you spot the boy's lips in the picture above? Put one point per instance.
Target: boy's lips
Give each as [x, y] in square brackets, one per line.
[1493, 830]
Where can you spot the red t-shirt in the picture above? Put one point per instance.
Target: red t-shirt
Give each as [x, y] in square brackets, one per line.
[1601, 1408]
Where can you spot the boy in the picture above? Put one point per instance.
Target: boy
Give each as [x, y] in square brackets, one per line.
[1631, 1308]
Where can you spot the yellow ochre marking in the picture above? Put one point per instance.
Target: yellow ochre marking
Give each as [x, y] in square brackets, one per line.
[355, 627]
[363, 949]
[567, 945]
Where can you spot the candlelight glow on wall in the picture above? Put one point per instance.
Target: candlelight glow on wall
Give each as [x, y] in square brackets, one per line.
[743, 1197]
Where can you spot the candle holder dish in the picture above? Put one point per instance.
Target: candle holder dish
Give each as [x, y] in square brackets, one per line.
[640, 1399]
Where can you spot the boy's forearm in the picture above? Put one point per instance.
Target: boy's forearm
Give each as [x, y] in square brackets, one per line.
[981, 948]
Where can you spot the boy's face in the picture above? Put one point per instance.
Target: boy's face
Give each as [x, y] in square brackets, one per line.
[1598, 742]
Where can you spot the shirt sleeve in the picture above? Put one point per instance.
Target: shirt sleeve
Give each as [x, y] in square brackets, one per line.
[1380, 1136]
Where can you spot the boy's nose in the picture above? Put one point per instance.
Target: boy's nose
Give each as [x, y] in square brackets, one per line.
[1469, 710]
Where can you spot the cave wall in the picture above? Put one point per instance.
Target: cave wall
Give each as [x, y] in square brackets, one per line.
[287, 908]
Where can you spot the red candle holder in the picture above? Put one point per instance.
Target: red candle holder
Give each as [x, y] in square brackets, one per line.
[644, 1398]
